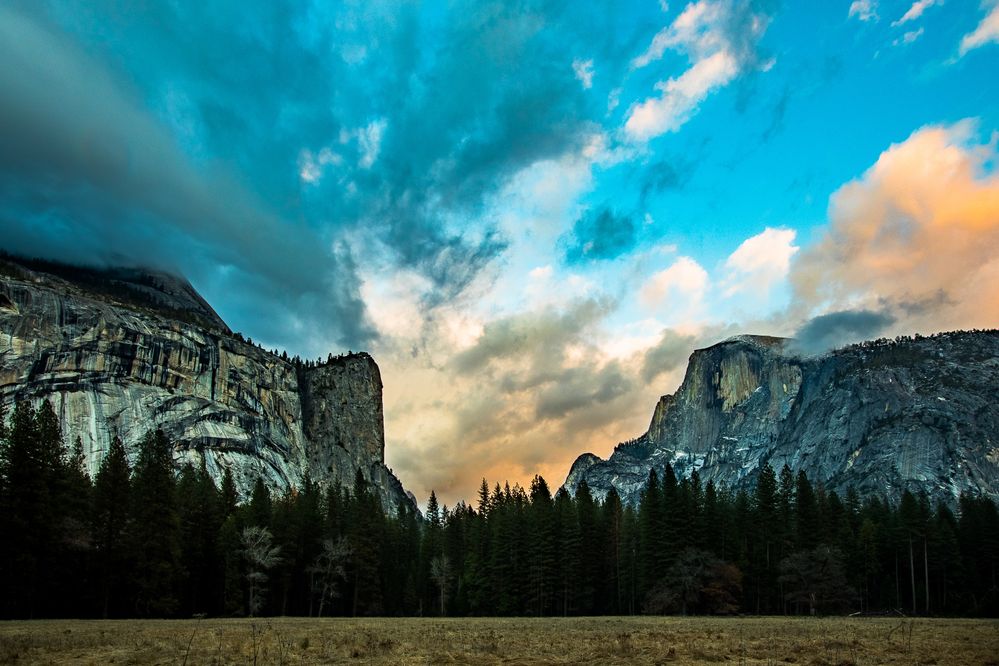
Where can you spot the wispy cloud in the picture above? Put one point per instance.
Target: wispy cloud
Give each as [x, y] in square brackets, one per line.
[986, 32]
[719, 37]
[865, 10]
[584, 72]
[908, 38]
[915, 11]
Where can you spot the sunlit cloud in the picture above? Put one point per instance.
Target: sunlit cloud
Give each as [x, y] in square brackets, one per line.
[760, 262]
[916, 235]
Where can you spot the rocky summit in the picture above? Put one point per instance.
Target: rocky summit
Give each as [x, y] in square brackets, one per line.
[881, 417]
[118, 352]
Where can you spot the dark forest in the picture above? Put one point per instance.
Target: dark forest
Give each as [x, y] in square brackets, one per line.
[143, 539]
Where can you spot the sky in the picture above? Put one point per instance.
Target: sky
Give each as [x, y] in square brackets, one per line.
[529, 212]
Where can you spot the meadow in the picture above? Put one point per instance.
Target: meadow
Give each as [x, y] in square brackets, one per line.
[597, 640]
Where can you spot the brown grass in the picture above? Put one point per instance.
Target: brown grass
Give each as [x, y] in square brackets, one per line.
[614, 640]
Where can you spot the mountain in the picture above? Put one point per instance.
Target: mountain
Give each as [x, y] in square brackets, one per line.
[120, 351]
[882, 416]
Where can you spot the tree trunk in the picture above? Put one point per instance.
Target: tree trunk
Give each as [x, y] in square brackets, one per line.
[912, 576]
[926, 574]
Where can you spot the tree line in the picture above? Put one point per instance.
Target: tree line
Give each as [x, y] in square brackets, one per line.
[143, 539]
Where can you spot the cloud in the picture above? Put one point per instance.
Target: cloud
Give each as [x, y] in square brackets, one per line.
[916, 236]
[683, 282]
[332, 122]
[909, 37]
[669, 354]
[838, 329]
[987, 31]
[89, 176]
[915, 11]
[601, 234]
[532, 390]
[662, 176]
[542, 335]
[865, 10]
[370, 139]
[583, 70]
[719, 37]
[582, 388]
[760, 262]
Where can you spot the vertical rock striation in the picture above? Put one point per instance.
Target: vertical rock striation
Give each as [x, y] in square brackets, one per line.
[118, 353]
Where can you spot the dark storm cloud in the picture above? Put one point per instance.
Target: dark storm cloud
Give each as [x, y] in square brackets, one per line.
[178, 136]
[601, 234]
[89, 176]
[837, 329]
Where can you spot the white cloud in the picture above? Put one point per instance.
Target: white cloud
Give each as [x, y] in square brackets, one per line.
[915, 11]
[865, 10]
[684, 282]
[370, 140]
[310, 165]
[541, 272]
[760, 262]
[680, 97]
[718, 37]
[584, 72]
[908, 37]
[987, 31]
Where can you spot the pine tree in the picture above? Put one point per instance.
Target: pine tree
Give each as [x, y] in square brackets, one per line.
[112, 508]
[260, 507]
[364, 534]
[651, 545]
[200, 514]
[613, 552]
[73, 572]
[569, 565]
[541, 549]
[229, 497]
[806, 512]
[29, 472]
[156, 531]
[589, 549]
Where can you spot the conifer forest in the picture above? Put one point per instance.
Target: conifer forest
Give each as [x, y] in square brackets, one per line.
[143, 539]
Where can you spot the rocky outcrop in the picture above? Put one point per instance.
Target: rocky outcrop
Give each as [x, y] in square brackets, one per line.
[120, 352]
[881, 417]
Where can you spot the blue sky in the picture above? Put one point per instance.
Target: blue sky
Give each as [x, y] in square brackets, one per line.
[530, 212]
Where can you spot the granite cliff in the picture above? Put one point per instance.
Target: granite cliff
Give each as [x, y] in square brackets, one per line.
[882, 416]
[118, 352]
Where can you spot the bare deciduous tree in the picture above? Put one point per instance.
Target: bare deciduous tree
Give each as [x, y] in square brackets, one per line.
[329, 569]
[440, 572]
[261, 555]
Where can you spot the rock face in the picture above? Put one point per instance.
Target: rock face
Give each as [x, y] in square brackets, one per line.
[120, 352]
[918, 414]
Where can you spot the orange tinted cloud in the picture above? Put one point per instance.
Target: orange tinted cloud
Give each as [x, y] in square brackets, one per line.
[917, 234]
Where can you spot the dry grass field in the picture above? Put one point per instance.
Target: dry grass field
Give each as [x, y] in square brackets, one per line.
[616, 640]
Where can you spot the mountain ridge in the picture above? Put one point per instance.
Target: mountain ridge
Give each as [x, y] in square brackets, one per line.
[121, 351]
[880, 416]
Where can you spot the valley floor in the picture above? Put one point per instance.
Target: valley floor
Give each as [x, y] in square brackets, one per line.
[602, 640]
